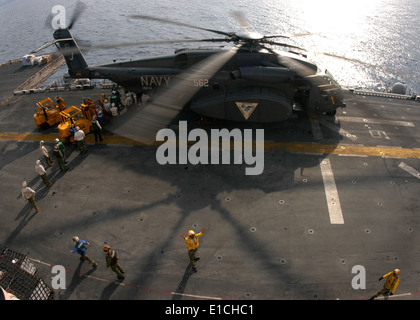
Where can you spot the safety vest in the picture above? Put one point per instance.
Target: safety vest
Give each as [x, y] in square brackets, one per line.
[80, 247]
[192, 243]
[391, 282]
[111, 258]
[94, 124]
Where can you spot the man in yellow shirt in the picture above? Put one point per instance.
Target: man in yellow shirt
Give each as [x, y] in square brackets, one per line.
[391, 283]
[192, 245]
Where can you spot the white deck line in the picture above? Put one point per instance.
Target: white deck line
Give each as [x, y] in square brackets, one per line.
[376, 121]
[331, 194]
[410, 170]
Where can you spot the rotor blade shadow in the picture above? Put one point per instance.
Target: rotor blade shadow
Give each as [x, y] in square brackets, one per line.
[144, 125]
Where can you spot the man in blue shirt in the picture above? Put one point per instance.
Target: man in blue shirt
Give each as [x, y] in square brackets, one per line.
[80, 246]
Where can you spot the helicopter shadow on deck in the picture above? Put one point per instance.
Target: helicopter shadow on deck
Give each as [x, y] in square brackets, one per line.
[205, 186]
[279, 165]
[277, 162]
[208, 186]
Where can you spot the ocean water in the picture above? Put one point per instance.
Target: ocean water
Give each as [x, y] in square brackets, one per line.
[370, 44]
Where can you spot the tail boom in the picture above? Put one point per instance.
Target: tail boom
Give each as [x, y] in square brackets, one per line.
[76, 62]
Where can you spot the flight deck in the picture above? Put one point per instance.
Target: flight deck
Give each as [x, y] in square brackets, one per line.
[338, 194]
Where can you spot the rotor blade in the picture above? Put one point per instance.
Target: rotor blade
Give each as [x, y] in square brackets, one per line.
[282, 44]
[139, 43]
[305, 70]
[302, 68]
[277, 36]
[47, 23]
[290, 36]
[177, 23]
[304, 34]
[342, 58]
[47, 44]
[144, 125]
[240, 17]
[80, 7]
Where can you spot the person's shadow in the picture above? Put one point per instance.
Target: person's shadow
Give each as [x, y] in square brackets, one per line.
[109, 290]
[76, 280]
[27, 217]
[181, 286]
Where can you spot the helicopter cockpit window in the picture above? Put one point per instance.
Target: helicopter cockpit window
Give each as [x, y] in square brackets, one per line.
[331, 81]
[181, 60]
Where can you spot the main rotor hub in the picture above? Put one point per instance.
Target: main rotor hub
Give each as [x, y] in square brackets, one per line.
[249, 35]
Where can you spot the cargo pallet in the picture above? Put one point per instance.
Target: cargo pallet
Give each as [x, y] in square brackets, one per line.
[18, 276]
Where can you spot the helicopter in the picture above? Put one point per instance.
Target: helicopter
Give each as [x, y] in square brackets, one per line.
[248, 82]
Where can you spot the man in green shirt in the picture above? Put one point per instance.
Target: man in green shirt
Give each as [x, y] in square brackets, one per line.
[111, 259]
[61, 148]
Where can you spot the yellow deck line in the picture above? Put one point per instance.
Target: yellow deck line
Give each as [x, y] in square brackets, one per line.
[52, 137]
[354, 150]
[293, 147]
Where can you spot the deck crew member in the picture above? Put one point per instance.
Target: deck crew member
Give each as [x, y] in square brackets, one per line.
[42, 173]
[192, 244]
[45, 153]
[29, 194]
[391, 283]
[72, 130]
[79, 137]
[96, 128]
[111, 259]
[61, 148]
[80, 246]
[60, 158]
[60, 103]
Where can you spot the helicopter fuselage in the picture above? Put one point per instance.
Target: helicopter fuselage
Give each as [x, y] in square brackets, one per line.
[255, 85]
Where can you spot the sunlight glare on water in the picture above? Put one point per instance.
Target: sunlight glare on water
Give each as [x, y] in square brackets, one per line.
[377, 37]
[370, 43]
[331, 16]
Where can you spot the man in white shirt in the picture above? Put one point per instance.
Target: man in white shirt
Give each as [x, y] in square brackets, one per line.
[42, 173]
[45, 153]
[79, 137]
[29, 194]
